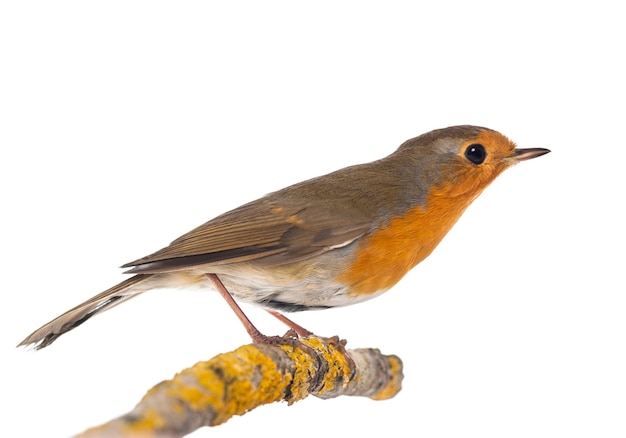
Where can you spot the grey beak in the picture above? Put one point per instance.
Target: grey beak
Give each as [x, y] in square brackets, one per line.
[527, 154]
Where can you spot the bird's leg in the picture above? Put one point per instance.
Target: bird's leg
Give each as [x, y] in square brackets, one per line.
[295, 330]
[301, 331]
[255, 334]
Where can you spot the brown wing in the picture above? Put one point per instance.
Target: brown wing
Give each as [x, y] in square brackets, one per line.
[266, 230]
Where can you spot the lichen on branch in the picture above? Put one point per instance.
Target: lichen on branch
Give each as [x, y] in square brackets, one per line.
[211, 392]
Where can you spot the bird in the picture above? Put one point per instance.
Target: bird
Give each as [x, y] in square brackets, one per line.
[333, 240]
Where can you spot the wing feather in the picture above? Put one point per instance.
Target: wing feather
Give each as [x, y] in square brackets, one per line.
[291, 224]
[267, 230]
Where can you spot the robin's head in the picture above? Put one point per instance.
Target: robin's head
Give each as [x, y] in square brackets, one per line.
[464, 159]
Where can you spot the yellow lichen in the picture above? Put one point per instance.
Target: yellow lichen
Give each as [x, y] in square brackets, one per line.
[150, 420]
[395, 383]
[305, 368]
[337, 371]
[238, 372]
[339, 367]
[211, 392]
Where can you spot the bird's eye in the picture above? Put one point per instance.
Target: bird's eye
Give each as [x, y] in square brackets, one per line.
[476, 153]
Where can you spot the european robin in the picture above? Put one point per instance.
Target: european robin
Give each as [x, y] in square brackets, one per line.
[334, 240]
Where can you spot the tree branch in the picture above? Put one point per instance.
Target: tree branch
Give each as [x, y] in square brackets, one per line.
[211, 392]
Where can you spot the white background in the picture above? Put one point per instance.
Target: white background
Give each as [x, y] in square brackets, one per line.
[125, 124]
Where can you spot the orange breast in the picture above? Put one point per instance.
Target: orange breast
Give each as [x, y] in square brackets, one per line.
[387, 255]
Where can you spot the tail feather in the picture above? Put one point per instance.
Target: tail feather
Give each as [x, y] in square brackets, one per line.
[48, 333]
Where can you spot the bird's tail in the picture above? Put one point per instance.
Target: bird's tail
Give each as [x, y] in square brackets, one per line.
[48, 333]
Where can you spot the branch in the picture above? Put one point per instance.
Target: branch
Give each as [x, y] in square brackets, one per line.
[211, 392]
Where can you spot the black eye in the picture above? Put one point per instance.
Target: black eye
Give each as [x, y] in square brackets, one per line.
[476, 153]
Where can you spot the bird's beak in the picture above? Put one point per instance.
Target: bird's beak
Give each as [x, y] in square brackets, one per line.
[527, 154]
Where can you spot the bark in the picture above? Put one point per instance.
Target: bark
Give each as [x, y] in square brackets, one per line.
[211, 392]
